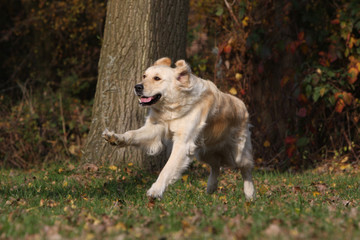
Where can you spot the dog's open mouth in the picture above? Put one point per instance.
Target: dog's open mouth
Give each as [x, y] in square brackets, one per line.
[143, 100]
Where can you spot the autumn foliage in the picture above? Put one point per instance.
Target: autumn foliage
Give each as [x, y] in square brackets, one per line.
[50, 52]
[295, 63]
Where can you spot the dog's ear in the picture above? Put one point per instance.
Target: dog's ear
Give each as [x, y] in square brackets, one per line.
[183, 71]
[163, 61]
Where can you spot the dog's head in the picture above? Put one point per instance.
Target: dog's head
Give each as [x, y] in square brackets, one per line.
[162, 82]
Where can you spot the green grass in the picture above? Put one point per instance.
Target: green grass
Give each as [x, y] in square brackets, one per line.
[72, 202]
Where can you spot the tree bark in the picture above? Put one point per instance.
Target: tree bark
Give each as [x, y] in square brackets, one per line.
[137, 32]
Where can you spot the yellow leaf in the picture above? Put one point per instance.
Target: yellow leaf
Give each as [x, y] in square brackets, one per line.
[315, 194]
[266, 143]
[130, 164]
[90, 236]
[238, 76]
[120, 226]
[345, 166]
[60, 170]
[65, 183]
[233, 91]
[113, 168]
[66, 209]
[263, 189]
[223, 199]
[203, 183]
[345, 159]
[73, 149]
[245, 21]
[322, 92]
[185, 177]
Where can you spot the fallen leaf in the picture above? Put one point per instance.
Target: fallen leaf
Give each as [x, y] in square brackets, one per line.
[353, 213]
[90, 167]
[273, 230]
[65, 183]
[71, 167]
[113, 168]
[223, 199]
[151, 202]
[345, 202]
[321, 187]
[296, 189]
[315, 194]
[185, 178]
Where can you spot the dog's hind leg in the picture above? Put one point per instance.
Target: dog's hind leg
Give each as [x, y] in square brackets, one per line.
[244, 160]
[212, 182]
[249, 189]
[213, 160]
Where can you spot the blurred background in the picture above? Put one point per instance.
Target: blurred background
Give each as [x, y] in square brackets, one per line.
[294, 63]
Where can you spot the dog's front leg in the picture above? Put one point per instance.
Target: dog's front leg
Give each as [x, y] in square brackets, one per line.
[114, 138]
[147, 136]
[177, 163]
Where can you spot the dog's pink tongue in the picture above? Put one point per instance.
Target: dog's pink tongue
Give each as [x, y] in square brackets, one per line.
[145, 99]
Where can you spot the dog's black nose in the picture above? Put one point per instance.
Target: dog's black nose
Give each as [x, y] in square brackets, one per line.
[139, 88]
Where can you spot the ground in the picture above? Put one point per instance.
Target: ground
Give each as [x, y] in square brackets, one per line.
[86, 201]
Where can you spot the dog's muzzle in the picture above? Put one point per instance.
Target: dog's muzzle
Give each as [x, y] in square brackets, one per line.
[145, 100]
[139, 88]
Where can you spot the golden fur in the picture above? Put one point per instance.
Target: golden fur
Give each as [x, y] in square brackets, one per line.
[193, 118]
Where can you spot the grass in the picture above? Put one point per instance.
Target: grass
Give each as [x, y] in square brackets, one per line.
[91, 202]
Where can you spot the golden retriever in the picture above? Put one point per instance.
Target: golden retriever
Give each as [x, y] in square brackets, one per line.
[194, 118]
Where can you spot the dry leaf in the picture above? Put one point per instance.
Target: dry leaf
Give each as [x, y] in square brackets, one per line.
[90, 167]
[185, 178]
[266, 143]
[113, 168]
[273, 230]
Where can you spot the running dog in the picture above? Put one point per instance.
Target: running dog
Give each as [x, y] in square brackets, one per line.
[194, 118]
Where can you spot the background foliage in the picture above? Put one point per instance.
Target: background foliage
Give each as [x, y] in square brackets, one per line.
[295, 63]
[49, 71]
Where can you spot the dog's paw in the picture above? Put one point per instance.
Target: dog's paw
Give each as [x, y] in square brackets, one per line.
[249, 191]
[113, 138]
[250, 198]
[156, 191]
[210, 189]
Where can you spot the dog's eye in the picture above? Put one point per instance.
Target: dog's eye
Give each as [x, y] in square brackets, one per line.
[144, 76]
[157, 78]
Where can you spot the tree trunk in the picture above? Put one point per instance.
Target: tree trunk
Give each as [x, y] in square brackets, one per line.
[136, 33]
